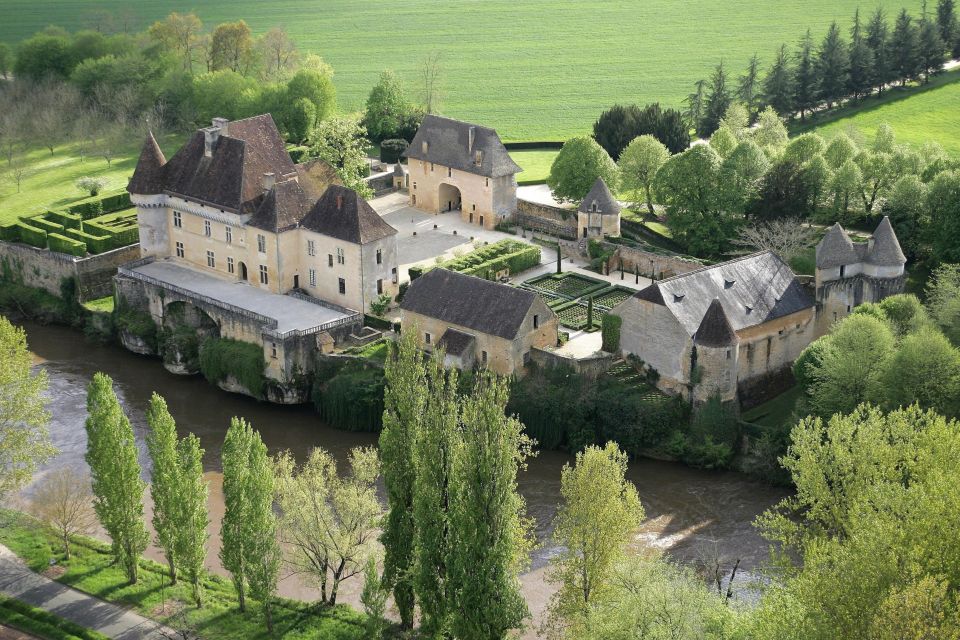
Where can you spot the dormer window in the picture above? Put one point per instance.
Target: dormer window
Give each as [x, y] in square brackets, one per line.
[425, 146]
[843, 270]
[678, 297]
[478, 157]
[749, 309]
[593, 206]
[728, 283]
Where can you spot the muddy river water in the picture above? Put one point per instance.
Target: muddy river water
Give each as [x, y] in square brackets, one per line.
[689, 512]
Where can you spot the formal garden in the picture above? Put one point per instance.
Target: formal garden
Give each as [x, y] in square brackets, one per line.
[488, 261]
[89, 226]
[579, 301]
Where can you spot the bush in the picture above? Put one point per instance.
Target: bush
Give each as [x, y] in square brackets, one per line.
[39, 223]
[9, 232]
[298, 153]
[90, 185]
[392, 149]
[63, 244]
[352, 399]
[377, 323]
[98, 205]
[32, 236]
[138, 323]
[68, 220]
[95, 243]
[221, 358]
[610, 330]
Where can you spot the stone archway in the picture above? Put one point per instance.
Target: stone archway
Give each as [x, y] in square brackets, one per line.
[449, 198]
[242, 270]
[185, 328]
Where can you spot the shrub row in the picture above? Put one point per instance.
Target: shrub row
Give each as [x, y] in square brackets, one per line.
[100, 204]
[10, 232]
[39, 222]
[63, 244]
[31, 235]
[120, 236]
[221, 358]
[514, 262]
[95, 243]
[68, 220]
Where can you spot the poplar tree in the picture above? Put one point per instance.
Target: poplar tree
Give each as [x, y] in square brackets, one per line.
[778, 85]
[878, 39]
[233, 545]
[859, 81]
[832, 66]
[490, 534]
[904, 44]
[115, 473]
[805, 85]
[260, 528]
[164, 478]
[190, 546]
[434, 449]
[404, 399]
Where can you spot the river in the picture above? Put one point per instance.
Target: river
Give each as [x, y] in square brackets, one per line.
[689, 512]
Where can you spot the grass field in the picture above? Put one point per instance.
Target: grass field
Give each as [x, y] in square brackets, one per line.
[535, 163]
[535, 70]
[50, 180]
[928, 113]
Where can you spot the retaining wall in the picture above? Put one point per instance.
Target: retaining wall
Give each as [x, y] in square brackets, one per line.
[590, 366]
[45, 269]
[548, 219]
[650, 265]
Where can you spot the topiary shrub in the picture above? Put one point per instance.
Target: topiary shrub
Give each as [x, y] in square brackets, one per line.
[610, 332]
[221, 358]
[392, 149]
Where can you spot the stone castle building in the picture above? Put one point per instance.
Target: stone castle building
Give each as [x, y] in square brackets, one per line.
[735, 328]
[232, 203]
[477, 322]
[599, 213]
[458, 166]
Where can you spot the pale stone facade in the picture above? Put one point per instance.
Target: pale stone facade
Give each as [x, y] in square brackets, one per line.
[456, 166]
[599, 214]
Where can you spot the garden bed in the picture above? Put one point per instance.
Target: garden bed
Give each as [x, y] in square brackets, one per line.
[565, 285]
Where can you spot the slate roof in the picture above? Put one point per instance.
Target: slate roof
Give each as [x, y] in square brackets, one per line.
[467, 301]
[752, 290]
[456, 343]
[398, 170]
[448, 144]
[341, 213]
[147, 178]
[715, 329]
[886, 249]
[282, 207]
[232, 176]
[835, 249]
[599, 199]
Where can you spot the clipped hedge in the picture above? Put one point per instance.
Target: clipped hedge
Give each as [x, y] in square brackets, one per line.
[513, 262]
[610, 332]
[10, 232]
[68, 220]
[120, 235]
[392, 149]
[95, 244]
[63, 244]
[100, 204]
[377, 323]
[221, 358]
[39, 222]
[511, 255]
[31, 235]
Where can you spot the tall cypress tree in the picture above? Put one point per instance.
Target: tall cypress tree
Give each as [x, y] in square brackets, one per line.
[860, 79]
[115, 473]
[805, 86]
[931, 50]
[718, 101]
[164, 478]
[438, 438]
[878, 39]
[403, 400]
[749, 90]
[904, 47]
[778, 85]
[833, 66]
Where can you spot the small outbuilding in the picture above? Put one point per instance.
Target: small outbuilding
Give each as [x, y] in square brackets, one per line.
[599, 213]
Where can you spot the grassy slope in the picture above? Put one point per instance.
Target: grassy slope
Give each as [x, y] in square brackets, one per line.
[90, 570]
[536, 70]
[927, 113]
[50, 181]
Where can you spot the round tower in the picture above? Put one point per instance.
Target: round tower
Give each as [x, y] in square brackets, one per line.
[715, 360]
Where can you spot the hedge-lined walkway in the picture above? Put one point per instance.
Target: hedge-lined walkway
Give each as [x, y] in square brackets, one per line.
[17, 581]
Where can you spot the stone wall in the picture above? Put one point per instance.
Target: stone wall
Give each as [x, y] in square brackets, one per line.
[656, 266]
[44, 269]
[548, 219]
[381, 183]
[590, 366]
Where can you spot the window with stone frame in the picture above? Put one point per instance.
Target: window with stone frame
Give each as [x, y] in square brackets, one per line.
[207, 229]
[180, 251]
[313, 277]
[177, 219]
[261, 243]
[228, 231]
[342, 285]
[264, 276]
[311, 248]
[230, 267]
[211, 260]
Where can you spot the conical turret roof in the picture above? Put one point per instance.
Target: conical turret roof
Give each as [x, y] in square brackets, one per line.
[715, 329]
[886, 249]
[600, 200]
[148, 176]
[836, 249]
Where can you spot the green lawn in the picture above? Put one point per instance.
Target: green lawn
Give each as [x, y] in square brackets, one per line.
[536, 163]
[535, 70]
[922, 114]
[90, 570]
[775, 412]
[50, 179]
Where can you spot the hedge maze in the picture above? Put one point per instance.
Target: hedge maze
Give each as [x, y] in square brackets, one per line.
[90, 226]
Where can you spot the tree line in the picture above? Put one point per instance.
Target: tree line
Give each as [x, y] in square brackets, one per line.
[814, 76]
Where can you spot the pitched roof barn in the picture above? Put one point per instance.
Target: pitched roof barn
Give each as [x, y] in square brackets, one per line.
[750, 290]
[468, 301]
[600, 200]
[462, 146]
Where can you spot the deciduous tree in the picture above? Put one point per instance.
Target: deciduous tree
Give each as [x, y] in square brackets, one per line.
[639, 164]
[231, 47]
[63, 501]
[115, 470]
[387, 107]
[578, 165]
[192, 515]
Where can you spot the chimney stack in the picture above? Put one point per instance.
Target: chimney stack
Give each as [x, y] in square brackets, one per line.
[268, 180]
[473, 137]
[212, 133]
[221, 124]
